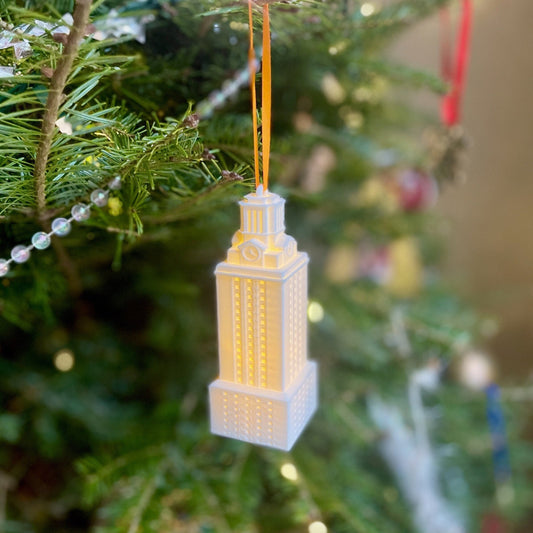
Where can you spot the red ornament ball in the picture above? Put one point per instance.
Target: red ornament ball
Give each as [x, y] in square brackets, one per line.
[417, 190]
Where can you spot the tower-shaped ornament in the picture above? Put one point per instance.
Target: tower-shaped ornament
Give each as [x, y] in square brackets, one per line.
[267, 388]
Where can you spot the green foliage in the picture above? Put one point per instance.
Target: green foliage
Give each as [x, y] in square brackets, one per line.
[120, 443]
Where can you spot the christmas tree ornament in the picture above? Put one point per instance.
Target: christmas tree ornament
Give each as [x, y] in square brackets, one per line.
[406, 271]
[374, 263]
[447, 145]
[500, 447]
[417, 190]
[415, 465]
[267, 388]
[447, 153]
[476, 370]
[406, 445]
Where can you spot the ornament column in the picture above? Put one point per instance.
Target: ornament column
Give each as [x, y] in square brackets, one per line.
[267, 389]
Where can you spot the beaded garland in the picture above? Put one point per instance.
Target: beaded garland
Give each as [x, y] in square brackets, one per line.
[60, 226]
[81, 212]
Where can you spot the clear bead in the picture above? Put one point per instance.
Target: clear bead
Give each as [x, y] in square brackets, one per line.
[81, 212]
[115, 184]
[4, 267]
[20, 254]
[99, 197]
[41, 240]
[61, 226]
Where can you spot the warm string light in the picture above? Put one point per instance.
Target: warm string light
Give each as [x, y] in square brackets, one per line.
[317, 527]
[288, 471]
[64, 360]
[315, 312]
[60, 226]
[367, 9]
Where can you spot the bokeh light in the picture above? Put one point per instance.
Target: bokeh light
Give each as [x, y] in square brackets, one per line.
[64, 360]
[318, 527]
[288, 471]
[315, 312]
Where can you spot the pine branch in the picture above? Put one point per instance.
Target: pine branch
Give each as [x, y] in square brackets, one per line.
[57, 85]
[144, 501]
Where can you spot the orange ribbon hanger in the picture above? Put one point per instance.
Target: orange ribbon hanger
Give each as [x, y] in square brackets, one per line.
[252, 67]
[266, 89]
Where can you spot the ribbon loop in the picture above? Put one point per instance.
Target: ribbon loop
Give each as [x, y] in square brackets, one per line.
[455, 73]
[252, 67]
[266, 90]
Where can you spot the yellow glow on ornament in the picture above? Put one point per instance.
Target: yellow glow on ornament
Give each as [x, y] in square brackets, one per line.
[315, 312]
[368, 9]
[318, 527]
[288, 471]
[64, 360]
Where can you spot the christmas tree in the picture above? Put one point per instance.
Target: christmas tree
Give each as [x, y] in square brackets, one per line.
[126, 143]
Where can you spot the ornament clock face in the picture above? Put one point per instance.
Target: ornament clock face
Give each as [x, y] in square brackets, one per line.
[251, 253]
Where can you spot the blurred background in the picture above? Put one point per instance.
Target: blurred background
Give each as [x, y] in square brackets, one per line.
[489, 249]
[488, 216]
[103, 390]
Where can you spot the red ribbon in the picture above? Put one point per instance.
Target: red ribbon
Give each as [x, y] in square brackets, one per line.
[454, 74]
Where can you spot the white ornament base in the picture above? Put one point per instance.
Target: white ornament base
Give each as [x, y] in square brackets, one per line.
[264, 417]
